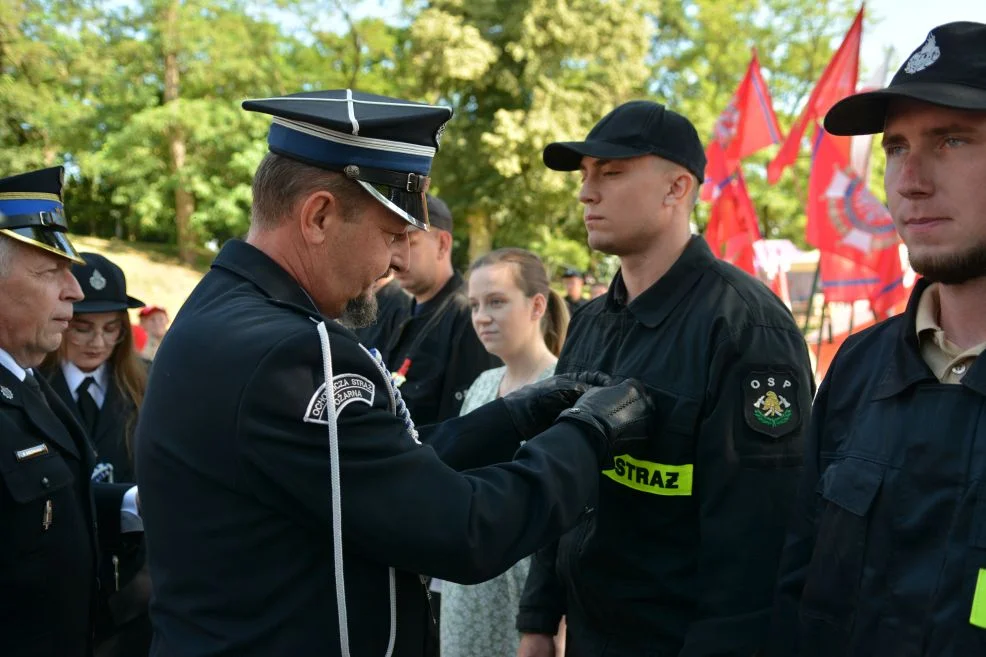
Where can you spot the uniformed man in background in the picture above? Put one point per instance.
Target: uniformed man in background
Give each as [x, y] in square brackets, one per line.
[49, 547]
[887, 554]
[680, 554]
[435, 352]
[289, 505]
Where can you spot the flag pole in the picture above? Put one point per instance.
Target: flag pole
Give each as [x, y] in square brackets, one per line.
[811, 294]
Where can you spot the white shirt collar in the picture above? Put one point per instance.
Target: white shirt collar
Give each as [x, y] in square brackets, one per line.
[6, 360]
[74, 377]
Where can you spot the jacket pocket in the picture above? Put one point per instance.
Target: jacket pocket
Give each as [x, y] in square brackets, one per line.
[35, 479]
[848, 489]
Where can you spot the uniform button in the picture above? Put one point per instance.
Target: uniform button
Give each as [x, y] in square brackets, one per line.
[45, 482]
[959, 369]
[458, 396]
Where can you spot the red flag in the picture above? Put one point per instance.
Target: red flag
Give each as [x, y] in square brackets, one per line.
[733, 227]
[746, 125]
[853, 230]
[837, 81]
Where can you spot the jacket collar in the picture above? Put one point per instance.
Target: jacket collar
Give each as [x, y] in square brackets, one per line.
[656, 303]
[249, 262]
[451, 286]
[907, 367]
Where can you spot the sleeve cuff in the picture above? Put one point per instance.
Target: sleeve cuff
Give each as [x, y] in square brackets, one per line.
[130, 520]
[537, 622]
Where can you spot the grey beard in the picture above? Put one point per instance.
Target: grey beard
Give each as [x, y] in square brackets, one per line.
[953, 269]
[360, 312]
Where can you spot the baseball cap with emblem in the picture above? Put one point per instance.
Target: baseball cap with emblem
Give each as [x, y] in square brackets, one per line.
[639, 127]
[103, 284]
[31, 211]
[384, 144]
[948, 69]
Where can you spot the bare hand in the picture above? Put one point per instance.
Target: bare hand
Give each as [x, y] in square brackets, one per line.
[536, 645]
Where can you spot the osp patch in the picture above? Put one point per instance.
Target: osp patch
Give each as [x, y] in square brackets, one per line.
[346, 389]
[770, 402]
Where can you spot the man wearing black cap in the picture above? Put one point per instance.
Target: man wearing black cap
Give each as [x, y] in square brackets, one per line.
[680, 554]
[49, 538]
[574, 281]
[434, 352]
[286, 519]
[887, 552]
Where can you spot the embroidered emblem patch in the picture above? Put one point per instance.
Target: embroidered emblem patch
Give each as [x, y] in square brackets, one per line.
[346, 389]
[97, 280]
[925, 57]
[770, 402]
[6, 392]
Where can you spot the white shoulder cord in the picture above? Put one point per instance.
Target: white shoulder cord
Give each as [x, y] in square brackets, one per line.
[330, 416]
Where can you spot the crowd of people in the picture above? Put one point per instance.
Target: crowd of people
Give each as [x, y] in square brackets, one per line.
[342, 446]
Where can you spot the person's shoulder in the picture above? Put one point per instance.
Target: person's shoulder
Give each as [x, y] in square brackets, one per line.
[873, 342]
[746, 299]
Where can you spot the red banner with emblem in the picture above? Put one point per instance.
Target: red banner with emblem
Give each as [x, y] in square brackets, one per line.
[860, 254]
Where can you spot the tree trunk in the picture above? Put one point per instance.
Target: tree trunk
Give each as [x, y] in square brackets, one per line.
[184, 201]
[480, 235]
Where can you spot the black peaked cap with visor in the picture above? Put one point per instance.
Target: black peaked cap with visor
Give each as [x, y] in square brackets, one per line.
[639, 127]
[948, 70]
[31, 211]
[104, 285]
[384, 144]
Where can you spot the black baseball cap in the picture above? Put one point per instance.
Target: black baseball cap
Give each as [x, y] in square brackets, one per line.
[639, 127]
[948, 69]
[439, 215]
[572, 272]
[104, 286]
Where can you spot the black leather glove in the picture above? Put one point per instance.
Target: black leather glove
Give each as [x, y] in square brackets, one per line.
[620, 415]
[595, 379]
[535, 407]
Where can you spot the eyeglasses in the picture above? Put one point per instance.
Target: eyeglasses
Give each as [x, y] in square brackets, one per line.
[86, 334]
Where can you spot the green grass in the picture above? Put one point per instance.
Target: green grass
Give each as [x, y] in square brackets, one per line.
[154, 273]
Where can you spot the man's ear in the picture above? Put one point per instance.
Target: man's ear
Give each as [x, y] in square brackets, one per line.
[317, 215]
[682, 187]
[444, 244]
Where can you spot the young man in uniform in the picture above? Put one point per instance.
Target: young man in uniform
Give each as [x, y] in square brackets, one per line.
[887, 553]
[285, 518]
[49, 547]
[435, 352]
[680, 554]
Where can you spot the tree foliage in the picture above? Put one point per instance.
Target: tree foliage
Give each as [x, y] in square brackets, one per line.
[112, 89]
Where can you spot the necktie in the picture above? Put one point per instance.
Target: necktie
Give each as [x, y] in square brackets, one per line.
[87, 405]
[32, 384]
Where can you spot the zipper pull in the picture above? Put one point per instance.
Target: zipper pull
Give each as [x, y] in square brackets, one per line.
[116, 571]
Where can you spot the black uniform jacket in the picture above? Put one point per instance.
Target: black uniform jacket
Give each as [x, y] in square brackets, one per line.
[393, 308]
[234, 465]
[49, 543]
[444, 352]
[887, 553]
[680, 555]
[122, 626]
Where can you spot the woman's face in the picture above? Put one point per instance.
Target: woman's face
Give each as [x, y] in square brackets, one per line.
[505, 320]
[91, 338]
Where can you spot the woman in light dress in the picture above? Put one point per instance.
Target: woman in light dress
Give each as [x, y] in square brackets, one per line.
[519, 318]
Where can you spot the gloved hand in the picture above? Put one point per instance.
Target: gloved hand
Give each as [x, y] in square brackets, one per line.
[595, 379]
[535, 407]
[620, 415]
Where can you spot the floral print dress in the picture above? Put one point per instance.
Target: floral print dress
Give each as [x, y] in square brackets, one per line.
[478, 620]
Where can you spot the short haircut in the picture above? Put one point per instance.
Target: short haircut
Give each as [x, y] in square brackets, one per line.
[7, 246]
[281, 182]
